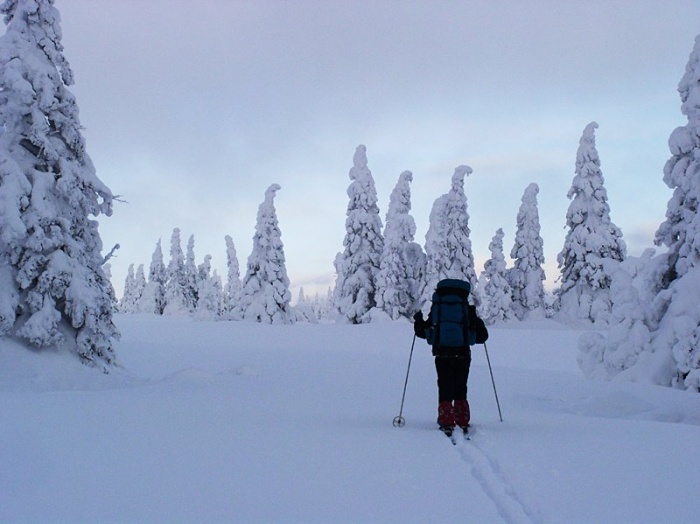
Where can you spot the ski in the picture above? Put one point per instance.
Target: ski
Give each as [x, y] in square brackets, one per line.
[450, 434]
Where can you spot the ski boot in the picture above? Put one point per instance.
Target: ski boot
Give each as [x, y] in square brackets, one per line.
[462, 414]
[446, 417]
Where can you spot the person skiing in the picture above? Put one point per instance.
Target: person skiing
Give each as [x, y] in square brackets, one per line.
[451, 328]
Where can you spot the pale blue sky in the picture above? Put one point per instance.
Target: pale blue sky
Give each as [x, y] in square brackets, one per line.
[192, 109]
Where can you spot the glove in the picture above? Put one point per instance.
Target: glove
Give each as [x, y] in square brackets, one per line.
[418, 317]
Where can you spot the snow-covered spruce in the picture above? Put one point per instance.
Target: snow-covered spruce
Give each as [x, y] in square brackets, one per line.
[139, 285]
[358, 265]
[153, 296]
[177, 282]
[265, 295]
[496, 293]
[680, 232]
[303, 309]
[323, 306]
[126, 304]
[134, 285]
[232, 289]
[314, 310]
[403, 262]
[209, 292]
[448, 248]
[666, 286]
[190, 277]
[606, 355]
[526, 277]
[591, 244]
[53, 290]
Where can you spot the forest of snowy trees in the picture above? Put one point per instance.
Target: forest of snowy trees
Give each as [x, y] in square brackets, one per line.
[382, 273]
[54, 278]
[642, 306]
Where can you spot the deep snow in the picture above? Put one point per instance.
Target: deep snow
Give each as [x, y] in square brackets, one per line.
[235, 421]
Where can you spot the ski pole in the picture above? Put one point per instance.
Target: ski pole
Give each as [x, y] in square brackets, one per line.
[399, 421]
[493, 382]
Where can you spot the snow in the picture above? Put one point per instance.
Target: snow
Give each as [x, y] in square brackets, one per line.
[247, 422]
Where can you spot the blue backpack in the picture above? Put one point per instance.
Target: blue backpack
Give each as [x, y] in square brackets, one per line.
[449, 314]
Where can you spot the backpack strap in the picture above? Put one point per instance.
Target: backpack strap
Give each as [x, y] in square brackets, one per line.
[465, 322]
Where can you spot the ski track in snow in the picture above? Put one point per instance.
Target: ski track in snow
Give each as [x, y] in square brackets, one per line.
[509, 503]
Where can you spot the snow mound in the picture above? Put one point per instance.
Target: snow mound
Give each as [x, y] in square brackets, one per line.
[24, 368]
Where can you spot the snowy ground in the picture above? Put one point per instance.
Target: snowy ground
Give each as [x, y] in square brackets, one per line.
[242, 422]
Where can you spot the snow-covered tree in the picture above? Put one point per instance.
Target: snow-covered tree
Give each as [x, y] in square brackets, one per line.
[134, 286]
[323, 306]
[265, 295]
[218, 290]
[397, 287]
[232, 289]
[128, 302]
[448, 248]
[153, 296]
[191, 275]
[303, 309]
[357, 267]
[53, 290]
[592, 239]
[672, 357]
[606, 355]
[497, 301]
[208, 291]
[139, 285]
[176, 287]
[526, 277]
[680, 232]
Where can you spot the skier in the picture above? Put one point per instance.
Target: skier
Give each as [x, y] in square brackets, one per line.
[451, 326]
